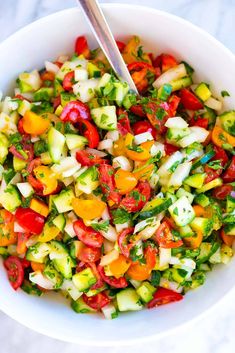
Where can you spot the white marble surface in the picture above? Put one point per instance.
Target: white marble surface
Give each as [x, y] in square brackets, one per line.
[215, 333]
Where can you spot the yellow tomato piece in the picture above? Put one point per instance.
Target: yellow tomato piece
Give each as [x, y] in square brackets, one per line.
[119, 147]
[36, 266]
[49, 233]
[130, 51]
[39, 207]
[7, 234]
[88, 209]
[194, 242]
[125, 181]
[137, 152]
[119, 266]
[220, 137]
[45, 175]
[34, 124]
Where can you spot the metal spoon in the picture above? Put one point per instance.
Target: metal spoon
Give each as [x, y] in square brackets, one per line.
[106, 40]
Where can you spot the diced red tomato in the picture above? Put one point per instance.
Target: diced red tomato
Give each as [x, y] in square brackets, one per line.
[189, 100]
[211, 173]
[30, 220]
[107, 183]
[164, 296]
[221, 192]
[164, 237]
[139, 65]
[100, 283]
[25, 263]
[220, 154]
[97, 301]
[90, 132]
[88, 159]
[89, 254]
[144, 126]
[75, 111]
[123, 124]
[138, 110]
[150, 256]
[36, 184]
[81, 47]
[20, 127]
[229, 174]
[170, 149]
[15, 271]
[56, 102]
[165, 62]
[112, 281]
[87, 235]
[198, 121]
[68, 81]
[158, 123]
[121, 45]
[136, 199]
[124, 244]
[173, 103]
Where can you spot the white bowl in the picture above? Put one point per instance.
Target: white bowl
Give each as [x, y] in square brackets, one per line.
[160, 32]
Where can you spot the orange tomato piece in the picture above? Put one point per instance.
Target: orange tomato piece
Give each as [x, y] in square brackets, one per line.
[39, 207]
[125, 181]
[47, 76]
[143, 171]
[227, 239]
[137, 153]
[88, 209]
[139, 272]
[7, 234]
[194, 242]
[34, 124]
[45, 175]
[119, 266]
[220, 137]
[37, 266]
[199, 211]
[119, 147]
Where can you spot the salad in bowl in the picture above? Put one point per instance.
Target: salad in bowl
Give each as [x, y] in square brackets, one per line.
[116, 201]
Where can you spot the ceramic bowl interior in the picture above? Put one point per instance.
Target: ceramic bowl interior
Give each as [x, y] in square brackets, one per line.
[159, 32]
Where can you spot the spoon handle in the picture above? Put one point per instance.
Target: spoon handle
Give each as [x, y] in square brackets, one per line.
[106, 41]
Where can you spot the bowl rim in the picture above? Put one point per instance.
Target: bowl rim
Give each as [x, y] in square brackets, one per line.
[190, 322]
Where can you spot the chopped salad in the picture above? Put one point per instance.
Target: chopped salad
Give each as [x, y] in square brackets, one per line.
[116, 201]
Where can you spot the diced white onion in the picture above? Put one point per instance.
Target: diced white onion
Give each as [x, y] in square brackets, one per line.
[110, 234]
[72, 290]
[200, 132]
[174, 260]
[109, 257]
[71, 215]
[149, 231]
[68, 173]
[69, 229]
[108, 310]
[141, 138]
[51, 67]
[105, 215]
[213, 103]
[165, 283]
[173, 74]
[156, 148]
[164, 256]
[154, 179]
[181, 172]
[105, 144]
[35, 139]
[113, 135]
[122, 162]
[120, 227]
[188, 140]
[96, 152]
[16, 179]
[176, 122]
[62, 59]
[80, 74]
[108, 246]
[32, 241]
[68, 181]
[135, 283]
[171, 160]
[25, 189]
[38, 278]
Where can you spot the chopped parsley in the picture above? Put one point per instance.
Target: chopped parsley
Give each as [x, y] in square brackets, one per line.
[216, 165]
[120, 216]
[102, 226]
[225, 94]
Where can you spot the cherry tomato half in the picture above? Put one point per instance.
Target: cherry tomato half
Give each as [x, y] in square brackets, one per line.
[137, 198]
[90, 132]
[123, 124]
[123, 243]
[30, 220]
[139, 271]
[89, 254]
[170, 149]
[220, 154]
[107, 183]
[81, 47]
[164, 237]
[125, 181]
[88, 159]
[74, 111]
[164, 296]
[112, 281]
[121, 45]
[144, 126]
[201, 122]
[68, 81]
[229, 174]
[189, 100]
[211, 173]
[138, 110]
[221, 192]
[15, 271]
[97, 301]
[87, 235]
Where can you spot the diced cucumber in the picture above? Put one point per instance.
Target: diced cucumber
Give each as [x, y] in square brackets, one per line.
[212, 184]
[105, 79]
[43, 94]
[24, 105]
[75, 248]
[174, 135]
[181, 83]
[38, 252]
[154, 207]
[105, 117]
[202, 200]
[75, 141]
[175, 274]
[227, 120]
[203, 92]
[203, 225]
[88, 181]
[29, 81]
[206, 251]
[10, 198]
[210, 115]
[56, 142]
[61, 259]
[93, 70]
[80, 307]
[203, 159]
[128, 300]
[4, 252]
[195, 180]
[119, 92]
[84, 279]
[92, 292]
[182, 212]
[230, 204]
[182, 192]
[53, 275]
[229, 218]
[59, 222]
[186, 231]
[63, 201]
[66, 97]
[58, 88]
[129, 100]
[226, 253]
[171, 196]
[25, 189]
[3, 147]
[146, 291]
[85, 90]
[216, 257]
